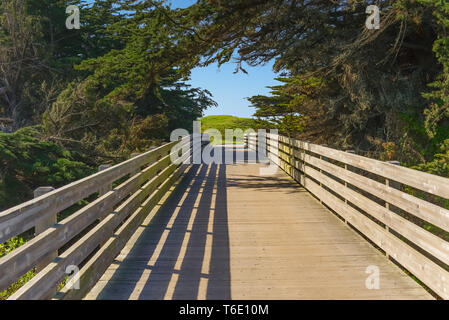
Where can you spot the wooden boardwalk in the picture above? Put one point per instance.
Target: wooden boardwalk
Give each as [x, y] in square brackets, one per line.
[227, 232]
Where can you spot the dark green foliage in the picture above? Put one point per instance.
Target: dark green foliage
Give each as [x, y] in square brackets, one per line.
[38, 52]
[288, 108]
[134, 94]
[113, 87]
[438, 111]
[28, 163]
[118, 85]
[366, 80]
[440, 164]
[148, 71]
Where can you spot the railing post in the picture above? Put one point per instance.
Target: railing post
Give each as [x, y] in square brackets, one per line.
[392, 184]
[136, 170]
[106, 188]
[257, 145]
[291, 158]
[395, 185]
[304, 152]
[322, 158]
[346, 168]
[321, 171]
[42, 225]
[268, 145]
[346, 183]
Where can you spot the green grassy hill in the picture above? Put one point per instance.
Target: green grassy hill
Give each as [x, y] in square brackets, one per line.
[226, 122]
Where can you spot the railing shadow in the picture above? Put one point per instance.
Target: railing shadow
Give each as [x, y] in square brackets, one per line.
[184, 252]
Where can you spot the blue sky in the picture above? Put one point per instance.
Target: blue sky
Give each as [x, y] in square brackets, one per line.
[230, 90]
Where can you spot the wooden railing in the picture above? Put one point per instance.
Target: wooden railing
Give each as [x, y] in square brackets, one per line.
[370, 196]
[93, 235]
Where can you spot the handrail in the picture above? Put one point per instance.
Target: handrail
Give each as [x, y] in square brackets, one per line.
[89, 228]
[23, 217]
[365, 193]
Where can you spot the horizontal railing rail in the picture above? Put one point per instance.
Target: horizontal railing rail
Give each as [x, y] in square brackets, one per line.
[93, 235]
[370, 195]
[23, 217]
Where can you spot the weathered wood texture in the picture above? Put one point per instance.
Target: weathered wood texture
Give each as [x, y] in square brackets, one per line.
[361, 190]
[23, 217]
[227, 232]
[42, 225]
[97, 265]
[92, 225]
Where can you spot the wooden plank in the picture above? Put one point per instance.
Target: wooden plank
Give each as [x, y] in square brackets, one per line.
[259, 237]
[427, 182]
[426, 211]
[427, 271]
[97, 265]
[41, 226]
[18, 262]
[44, 282]
[23, 259]
[252, 145]
[23, 217]
[429, 242]
[421, 237]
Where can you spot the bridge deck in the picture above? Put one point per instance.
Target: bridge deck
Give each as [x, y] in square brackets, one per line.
[229, 233]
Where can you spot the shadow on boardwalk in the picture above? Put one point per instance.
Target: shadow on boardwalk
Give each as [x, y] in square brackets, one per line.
[184, 252]
[278, 241]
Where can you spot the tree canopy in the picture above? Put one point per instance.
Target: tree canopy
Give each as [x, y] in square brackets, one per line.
[352, 87]
[118, 84]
